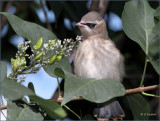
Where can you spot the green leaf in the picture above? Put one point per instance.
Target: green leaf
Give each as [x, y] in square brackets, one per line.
[154, 45]
[63, 63]
[10, 89]
[156, 13]
[13, 91]
[23, 112]
[138, 24]
[98, 91]
[139, 106]
[3, 71]
[28, 30]
[53, 109]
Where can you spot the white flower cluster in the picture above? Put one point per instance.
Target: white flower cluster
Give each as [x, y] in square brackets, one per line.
[65, 46]
[22, 49]
[22, 78]
[39, 56]
[79, 38]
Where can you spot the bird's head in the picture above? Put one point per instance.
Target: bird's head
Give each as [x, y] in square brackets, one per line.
[91, 25]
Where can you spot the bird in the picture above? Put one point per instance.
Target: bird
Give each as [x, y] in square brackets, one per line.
[98, 57]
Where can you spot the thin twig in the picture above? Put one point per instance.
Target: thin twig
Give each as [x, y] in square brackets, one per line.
[144, 72]
[3, 114]
[128, 91]
[99, 6]
[59, 100]
[45, 14]
[3, 19]
[103, 5]
[141, 89]
[3, 107]
[94, 5]
[72, 112]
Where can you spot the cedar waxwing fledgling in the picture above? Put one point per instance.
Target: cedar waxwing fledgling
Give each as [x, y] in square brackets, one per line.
[97, 57]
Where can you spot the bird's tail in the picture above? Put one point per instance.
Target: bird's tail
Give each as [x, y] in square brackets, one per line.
[109, 110]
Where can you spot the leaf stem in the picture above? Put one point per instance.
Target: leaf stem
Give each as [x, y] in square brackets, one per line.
[3, 114]
[144, 71]
[59, 90]
[72, 111]
[152, 95]
[27, 72]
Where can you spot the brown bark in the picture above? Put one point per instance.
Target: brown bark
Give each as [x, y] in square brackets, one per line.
[128, 91]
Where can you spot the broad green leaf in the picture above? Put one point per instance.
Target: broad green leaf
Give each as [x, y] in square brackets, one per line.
[138, 24]
[3, 70]
[10, 89]
[28, 30]
[23, 112]
[98, 91]
[64, 64]
[154, 44]
[53, 109]
[13, 91]
[157, 12]
[139, 106]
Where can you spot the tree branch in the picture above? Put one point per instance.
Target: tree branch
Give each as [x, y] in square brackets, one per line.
[3, 19]
[3, 107]
[128, 91]
[45, 14]
[99, 6]
[103, 5]
[94, 5]
[141, 89]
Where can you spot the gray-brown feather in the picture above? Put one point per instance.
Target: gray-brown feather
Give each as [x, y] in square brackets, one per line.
[98, 58]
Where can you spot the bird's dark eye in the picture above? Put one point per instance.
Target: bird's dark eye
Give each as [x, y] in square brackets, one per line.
[90, 25]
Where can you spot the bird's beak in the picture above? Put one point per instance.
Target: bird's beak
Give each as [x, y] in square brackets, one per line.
[79, 24]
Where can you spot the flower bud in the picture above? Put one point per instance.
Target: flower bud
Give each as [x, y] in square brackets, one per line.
[58, 58]
[61, 53]
[14, 66]
[53, 42]
[18, 62]
[39, 43]
[39, 56]
[23, 61]
[52, 60]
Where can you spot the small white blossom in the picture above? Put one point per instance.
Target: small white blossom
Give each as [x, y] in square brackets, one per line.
[45, 46]
[34, 47]
[21, 77]
[59, 42]
[68, 40]
[56, 45]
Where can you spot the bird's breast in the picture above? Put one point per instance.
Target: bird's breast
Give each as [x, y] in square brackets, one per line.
[95, 59]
